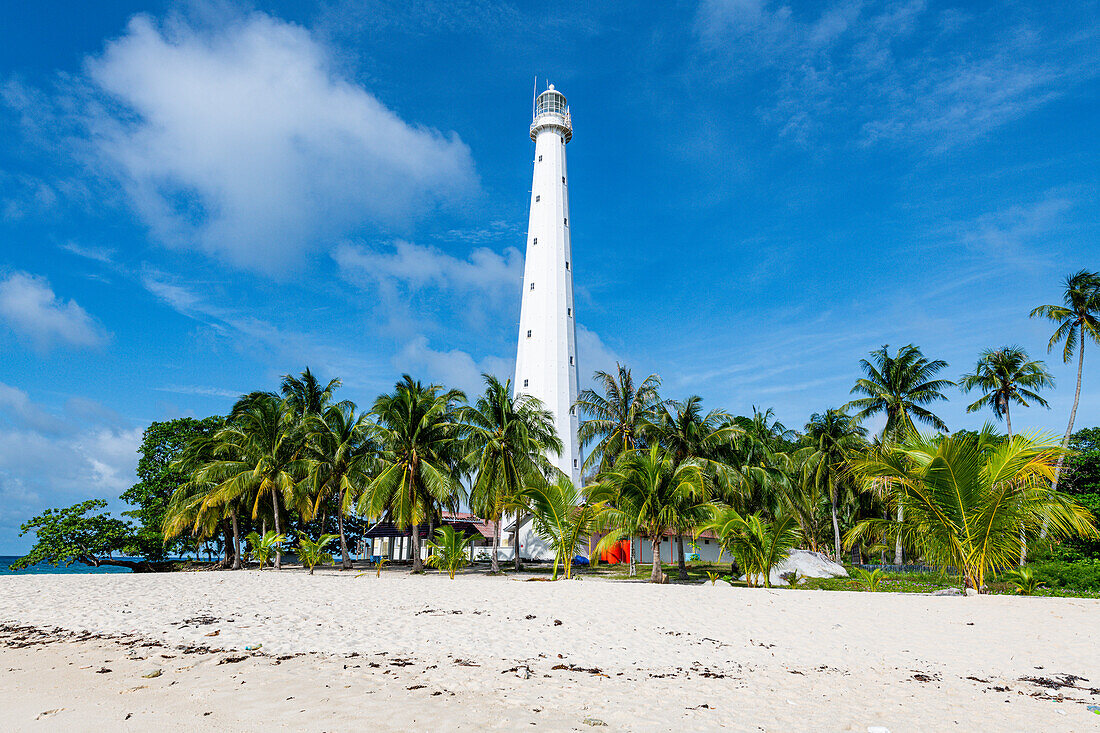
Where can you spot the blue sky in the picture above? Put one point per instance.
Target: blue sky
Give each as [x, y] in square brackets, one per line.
[198, 198]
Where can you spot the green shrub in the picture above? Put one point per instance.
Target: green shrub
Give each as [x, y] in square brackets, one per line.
[1078, 576]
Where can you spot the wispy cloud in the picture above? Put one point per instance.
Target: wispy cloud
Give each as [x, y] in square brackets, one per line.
[886, 72]
[29, 307]
[104, 255]
[417, 266]
[199, 391]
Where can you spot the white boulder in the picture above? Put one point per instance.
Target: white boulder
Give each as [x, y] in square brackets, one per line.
[808, 565]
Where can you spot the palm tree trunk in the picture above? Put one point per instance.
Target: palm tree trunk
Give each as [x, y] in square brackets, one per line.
[345, 558]
[515, 544]
[899, 551]
[836, 528]
[681, 569]
[278, 546]
[495, 566]
[632, 570]
[1023, 534]
[236, 539]
[414, 541]
[656, 575]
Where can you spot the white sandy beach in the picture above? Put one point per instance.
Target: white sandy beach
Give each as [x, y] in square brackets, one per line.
[426, 653]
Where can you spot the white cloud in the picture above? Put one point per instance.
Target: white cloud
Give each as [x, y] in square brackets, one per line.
[16, 406]
[245, 142]
[417, 266]
[30, 309]
[99, 254]
[593, 355]
[454, 368]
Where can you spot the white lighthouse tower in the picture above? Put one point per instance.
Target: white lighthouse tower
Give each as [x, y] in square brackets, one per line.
[546, 360]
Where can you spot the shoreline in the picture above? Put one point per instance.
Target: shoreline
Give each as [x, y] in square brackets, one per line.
[499, 653]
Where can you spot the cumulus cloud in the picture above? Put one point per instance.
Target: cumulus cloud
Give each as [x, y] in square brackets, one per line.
[454, 368]
[417, 266]
[245, 142]
[29, 307]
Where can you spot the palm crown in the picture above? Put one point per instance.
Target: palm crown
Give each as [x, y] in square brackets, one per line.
[899, 386]
[1005, 376]
[615, 419]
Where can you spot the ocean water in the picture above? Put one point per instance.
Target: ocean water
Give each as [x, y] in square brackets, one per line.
[43, 568]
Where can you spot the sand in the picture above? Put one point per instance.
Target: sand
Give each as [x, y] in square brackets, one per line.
[423, 652]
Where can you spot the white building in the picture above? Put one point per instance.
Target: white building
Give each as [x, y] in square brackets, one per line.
[546, 356]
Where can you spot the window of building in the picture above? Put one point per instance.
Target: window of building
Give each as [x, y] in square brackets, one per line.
[570, 361]
[540, 158]
[569, 311]
[572, 410]
[574, 463]
[535, 240]
[566, 265]
[538, 198]
[532, 286]
[567, 221]
[528, 333]
[706, 542]
[524, 382]
[563, 179]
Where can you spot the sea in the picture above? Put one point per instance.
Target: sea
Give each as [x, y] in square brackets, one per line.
[44, 568]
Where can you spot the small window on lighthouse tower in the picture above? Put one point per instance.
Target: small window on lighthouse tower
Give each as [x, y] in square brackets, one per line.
[574, 463]
[563, 179]
[567, 221]
[524, 382]
[566, 265]
[538, 198]
[535, 240]
[540, 158]
[528, 334]
[572, 410]
[569, 311]
[570, 361]
[532, 286]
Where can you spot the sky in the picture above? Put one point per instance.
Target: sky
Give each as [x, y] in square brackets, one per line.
[197, 198]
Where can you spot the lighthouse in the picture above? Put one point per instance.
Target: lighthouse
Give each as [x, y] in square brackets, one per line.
[546, 358]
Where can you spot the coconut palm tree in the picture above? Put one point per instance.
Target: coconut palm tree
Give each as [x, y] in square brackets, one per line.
[564, 519]
[341, 458]
[306, 397]
[614, 420]
[648, 492]
[966, 497]
[835, 438]
[757, 544]
[687, 434]
[419, 459]
[506, 441]
[899, 387]
[256, 455]
[448, 550]
[1078, 320]
[313, 553]
[1005, 376]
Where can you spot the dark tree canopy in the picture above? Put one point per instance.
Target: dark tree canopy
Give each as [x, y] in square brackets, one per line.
[157, 479]
[67, 536]
[1082, 480]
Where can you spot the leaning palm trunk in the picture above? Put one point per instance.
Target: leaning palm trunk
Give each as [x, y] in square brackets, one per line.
[278, 530]
[1072, 416]
[236, 539]
[656, 575]
[836, 529]
[345, 558]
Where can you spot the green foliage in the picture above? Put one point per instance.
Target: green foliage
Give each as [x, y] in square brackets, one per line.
[262, 548]
[313, 553]
[1025, 580]
[758, 545]
[1073, 576]
[1005, 376]
[712, 577]
[159, 476]
[871, 579]
[66, 536]
[899, 386]
[449, 550]
[613, 422]
[564, 520]
[968, 501]
[791, 578]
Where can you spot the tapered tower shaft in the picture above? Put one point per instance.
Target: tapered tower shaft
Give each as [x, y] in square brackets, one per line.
[546, 358]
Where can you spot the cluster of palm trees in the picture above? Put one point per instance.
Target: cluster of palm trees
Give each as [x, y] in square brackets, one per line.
[658, 468]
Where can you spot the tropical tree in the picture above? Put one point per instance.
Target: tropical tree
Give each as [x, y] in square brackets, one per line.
[757, 544]
[1005, 376]
[1078, 320]
[314, 552]
[420, 456]
[257, 455]
[613, 421]
[967, 496]
[899, 386]
[507, 438]
[449, 550]
[340, 457]
[306, 397]
[689, 435]
[264, 545]
[834, 437]
[648, 492]
[564, 519]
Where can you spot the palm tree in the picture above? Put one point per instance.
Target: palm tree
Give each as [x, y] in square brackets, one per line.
[614, 420]
[1078, 320]
[420, 455]
[687, 434]
[257, 455]
[835, 438]
[899, 387]
[648, 492]
[564, 519]
[758, 545]
[1005, 376]
[306, 397]
[967, 496]
[341, 458]
[448, 550]
[507, 438]
[313, 553]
